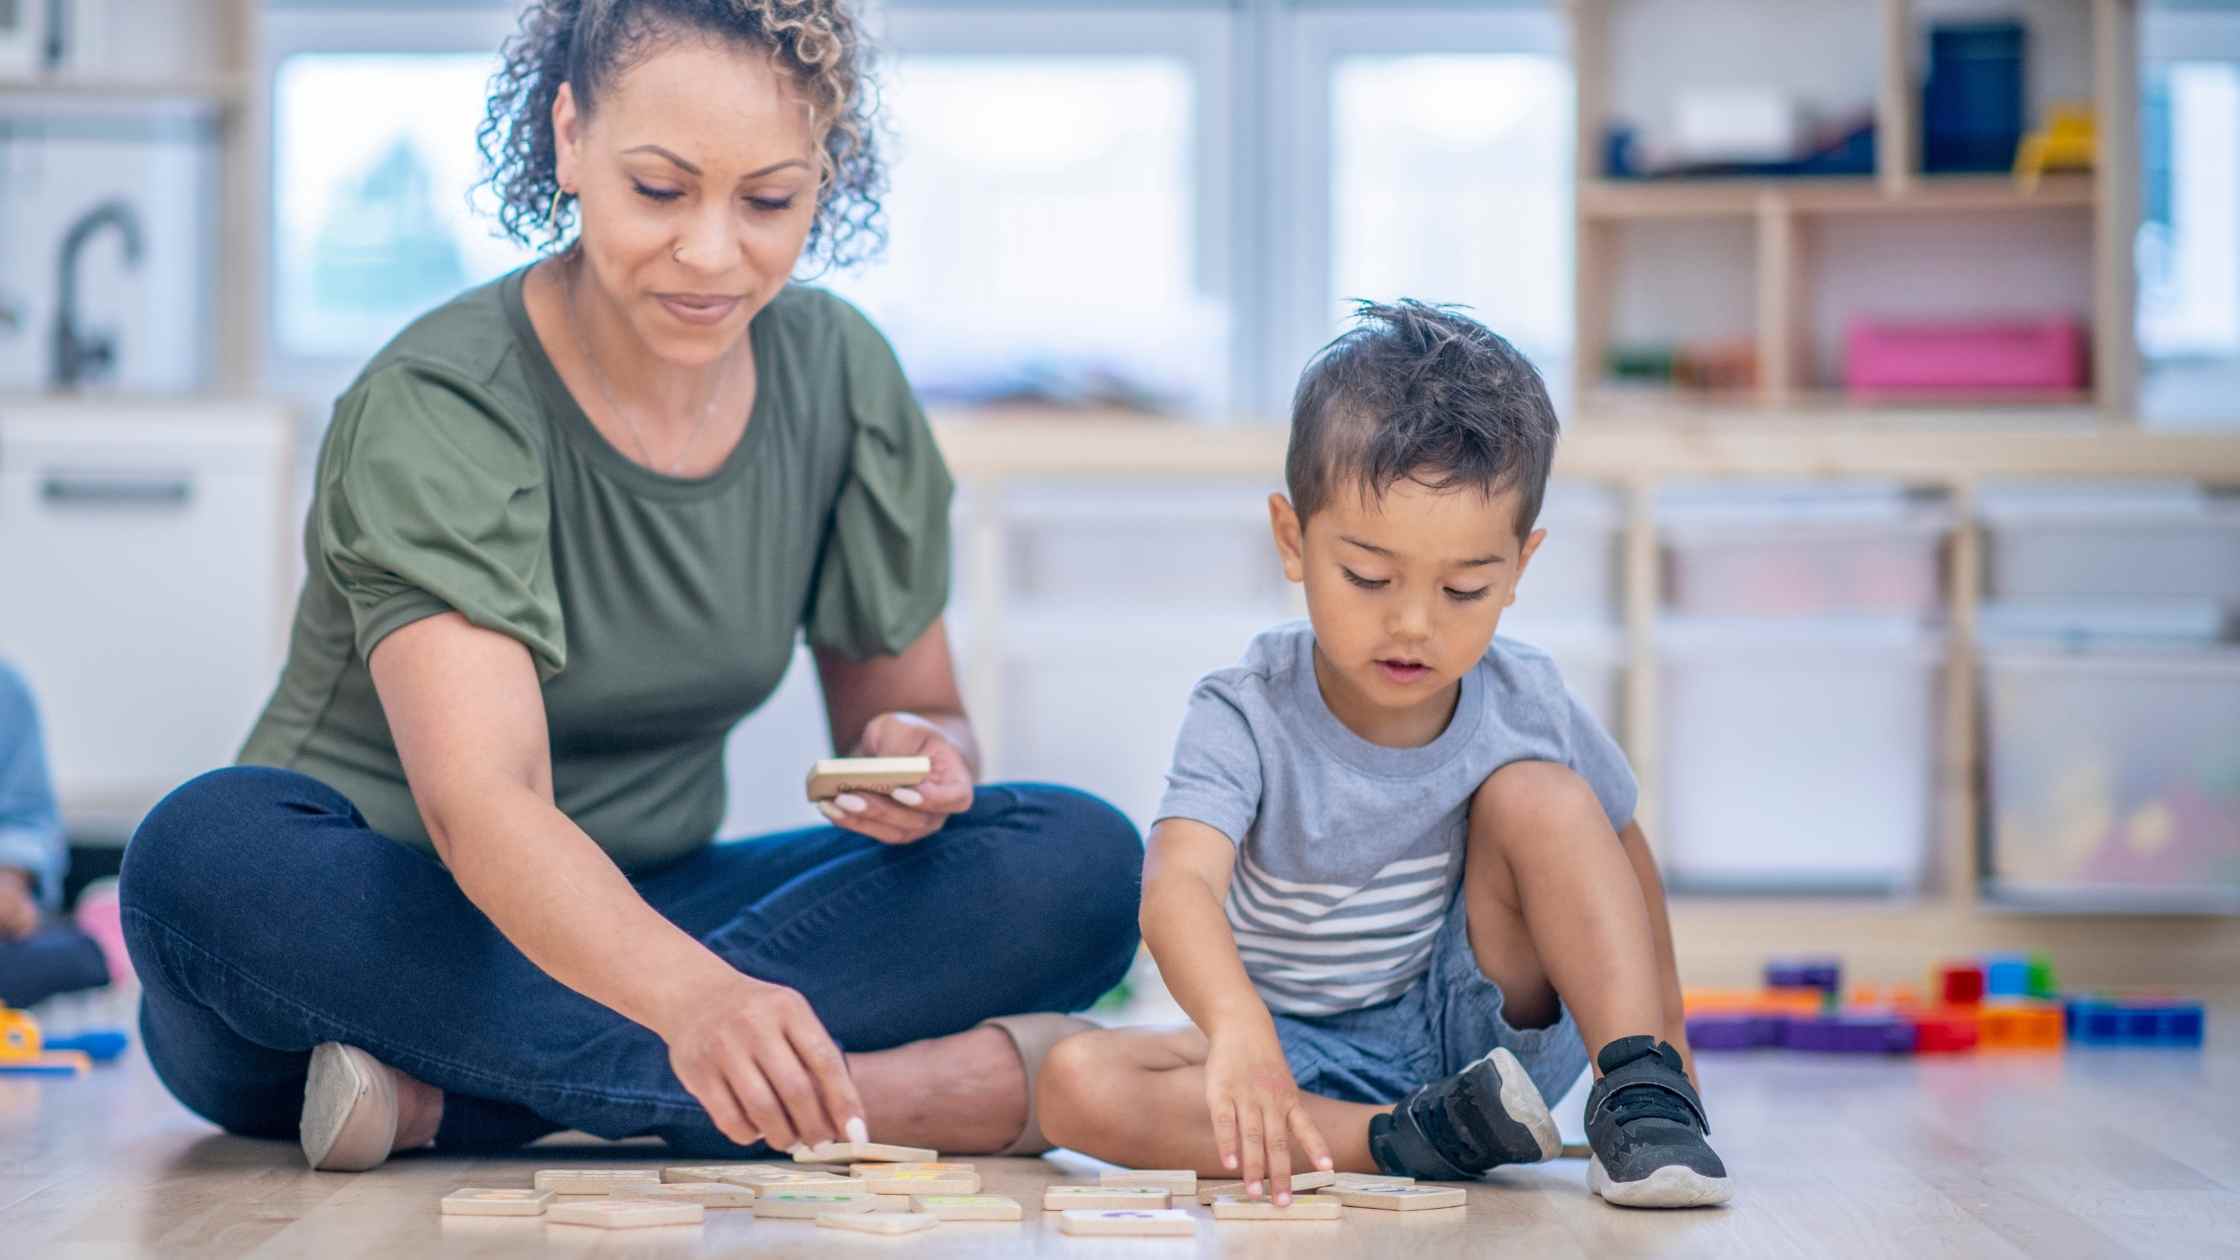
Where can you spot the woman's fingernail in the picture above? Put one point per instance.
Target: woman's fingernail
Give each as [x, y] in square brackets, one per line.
[909, 797]
[857, 1130]
[825, 808]
[853, 804]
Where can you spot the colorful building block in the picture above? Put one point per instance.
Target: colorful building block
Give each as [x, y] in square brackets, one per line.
[1947, 1030]
[1735, 1031]
[2135, 1021]
[1824, 974]
[2006, 975]
[1849, 1033]
[2039, 982]
[1960, 984]
[2019, 1025]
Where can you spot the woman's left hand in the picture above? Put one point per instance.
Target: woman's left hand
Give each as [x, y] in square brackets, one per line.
[905, 814]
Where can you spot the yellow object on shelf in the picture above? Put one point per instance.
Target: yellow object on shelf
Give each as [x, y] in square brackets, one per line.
[19, 1036]
[2069, 141]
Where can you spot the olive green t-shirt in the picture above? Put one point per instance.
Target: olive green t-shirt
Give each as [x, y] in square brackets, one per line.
[459, 474]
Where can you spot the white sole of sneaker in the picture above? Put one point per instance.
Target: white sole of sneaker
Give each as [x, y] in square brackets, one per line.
[349, 1110]
[1672, 1186]
[1521, 1099]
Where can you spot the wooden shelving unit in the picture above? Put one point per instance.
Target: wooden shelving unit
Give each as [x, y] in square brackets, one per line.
[1723, 939]
[1785, 211]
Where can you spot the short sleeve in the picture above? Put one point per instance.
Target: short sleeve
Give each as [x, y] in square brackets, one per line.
[1596, 757]
[883, 570]
[431, 499]
[1215, 778]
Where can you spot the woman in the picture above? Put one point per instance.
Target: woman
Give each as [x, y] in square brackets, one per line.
[565, 530]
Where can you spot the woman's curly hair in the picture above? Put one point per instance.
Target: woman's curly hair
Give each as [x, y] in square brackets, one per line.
[590, 43]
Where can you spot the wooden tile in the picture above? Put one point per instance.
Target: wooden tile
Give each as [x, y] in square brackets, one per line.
[593, 1180]
[866, 1152]
[1126, 1221]
[968, 1207]
[1173, 1180]
[1403, 1198]
[880, 1223]
[481, 1202]
[1366, 1181]
[1300, 1183]
[708, 1194]
[1059, 1198]
[1308, 1207]
[622, 1213]
[706, 1172]
[917, 1165]
[803, 1205]
[921, 1183]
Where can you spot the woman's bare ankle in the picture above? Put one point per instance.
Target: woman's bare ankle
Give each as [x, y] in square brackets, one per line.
[419, 1112]
[965, 1093]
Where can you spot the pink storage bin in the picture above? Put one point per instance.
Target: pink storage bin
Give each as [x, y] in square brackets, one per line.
[2022, 356]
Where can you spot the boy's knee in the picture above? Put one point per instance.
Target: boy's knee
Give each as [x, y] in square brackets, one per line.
[1534, 798]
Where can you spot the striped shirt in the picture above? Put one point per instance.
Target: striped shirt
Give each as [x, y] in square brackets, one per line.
[1349, 853]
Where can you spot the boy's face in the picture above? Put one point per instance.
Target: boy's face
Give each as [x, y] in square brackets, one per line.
[1404, 592]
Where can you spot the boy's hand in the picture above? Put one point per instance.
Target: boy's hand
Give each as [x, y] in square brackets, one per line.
[19, 910]
[1256, 1111]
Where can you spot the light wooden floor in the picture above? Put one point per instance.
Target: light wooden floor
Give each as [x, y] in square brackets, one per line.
[2093, 1153]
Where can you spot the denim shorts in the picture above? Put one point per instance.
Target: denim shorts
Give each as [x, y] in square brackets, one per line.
[1448, 1018]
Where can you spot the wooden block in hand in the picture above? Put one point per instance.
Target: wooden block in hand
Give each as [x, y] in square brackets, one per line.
[623, 1213]
[803, 1205]
[1172, 1180]
[868, 1152]
[1125, 1221]
[1403, 1198]
[480, 1202]
[834, 775]
[708, 1194]
[1300, 1183]
[921, 1182]
[967, 1207]
[1060, 1198]
[594, 1180]
[880, 1223]
[1307, 1207]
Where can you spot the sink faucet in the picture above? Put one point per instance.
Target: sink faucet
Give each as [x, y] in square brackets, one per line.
[80, 357]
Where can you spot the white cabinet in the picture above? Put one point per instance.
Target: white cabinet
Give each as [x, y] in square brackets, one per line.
[142, 571]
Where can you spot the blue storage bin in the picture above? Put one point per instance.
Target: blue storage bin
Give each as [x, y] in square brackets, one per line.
[1971, 108]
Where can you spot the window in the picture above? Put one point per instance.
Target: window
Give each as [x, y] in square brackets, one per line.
[2188, 248]
[1451, 182]
[372, 222]
[1042, 231]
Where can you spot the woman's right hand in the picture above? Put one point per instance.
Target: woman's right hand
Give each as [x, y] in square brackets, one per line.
[758, 1058]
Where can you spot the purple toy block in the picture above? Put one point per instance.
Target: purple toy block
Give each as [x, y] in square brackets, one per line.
[1849, 1034]
[1825, 974]
[1732, 1032]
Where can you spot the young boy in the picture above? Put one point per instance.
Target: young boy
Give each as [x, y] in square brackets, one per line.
[1396, 860]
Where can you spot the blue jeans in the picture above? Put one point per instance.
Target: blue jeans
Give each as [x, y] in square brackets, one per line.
[265, 917]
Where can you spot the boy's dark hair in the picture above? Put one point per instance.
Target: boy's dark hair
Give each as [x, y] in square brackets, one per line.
[1426, 393]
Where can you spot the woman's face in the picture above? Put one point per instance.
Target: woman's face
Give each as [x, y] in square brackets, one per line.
[697, 182]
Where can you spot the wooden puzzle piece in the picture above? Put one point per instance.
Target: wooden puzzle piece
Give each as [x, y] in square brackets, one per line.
[478, 1201]
[707, 1172]
[1365, 1181]
[880, 1223]
[593, 1180]
[1059, 1198]
[968, 1207]
[803, 1205]
[1403, 1198]
[868, 1152]
[1308, 1207]
[832, 776]
[623, 1213]
[1300, 1182]
[921, 1183]
[712, 1194]
[1172, 1180]
[1124, 1221]
[921, 1165]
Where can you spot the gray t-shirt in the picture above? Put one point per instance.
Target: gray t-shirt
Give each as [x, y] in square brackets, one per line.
[1348, 852]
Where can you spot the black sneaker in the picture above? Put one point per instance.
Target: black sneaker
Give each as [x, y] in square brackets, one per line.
[1646, 1127]
[1485, 1115]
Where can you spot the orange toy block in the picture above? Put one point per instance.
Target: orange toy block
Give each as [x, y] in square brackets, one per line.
[2019, 1026]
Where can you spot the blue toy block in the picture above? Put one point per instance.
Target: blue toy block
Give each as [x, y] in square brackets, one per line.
[2183, 1024]
[2135, 1022]
[2006, 975]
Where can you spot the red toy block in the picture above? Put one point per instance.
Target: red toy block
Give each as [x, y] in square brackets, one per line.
[1951, 1030]
[1960, 984]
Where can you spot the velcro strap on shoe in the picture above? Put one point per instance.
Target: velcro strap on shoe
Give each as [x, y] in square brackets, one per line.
[1409, 1150]
[1650, 1072]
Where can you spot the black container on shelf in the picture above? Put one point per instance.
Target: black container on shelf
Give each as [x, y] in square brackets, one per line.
[1972, 105]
